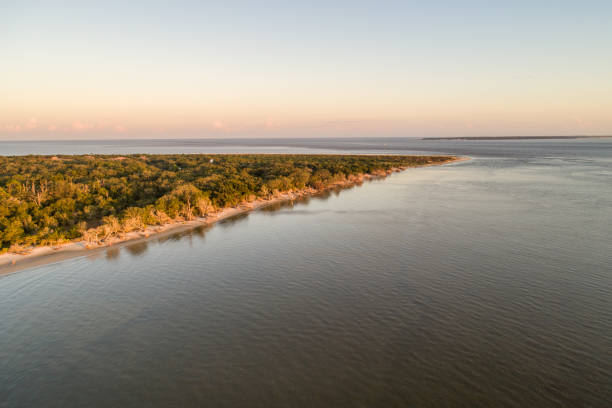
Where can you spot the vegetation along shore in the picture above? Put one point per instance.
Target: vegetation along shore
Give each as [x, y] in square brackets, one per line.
[50, 203]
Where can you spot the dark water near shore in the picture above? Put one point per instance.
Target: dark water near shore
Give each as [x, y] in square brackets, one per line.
[477, 284]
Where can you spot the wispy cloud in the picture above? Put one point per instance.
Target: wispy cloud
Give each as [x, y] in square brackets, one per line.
[217, 124]
[80, 126]
[13, 128]
[32, 123]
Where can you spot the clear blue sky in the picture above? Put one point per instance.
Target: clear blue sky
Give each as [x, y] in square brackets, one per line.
[267, 69]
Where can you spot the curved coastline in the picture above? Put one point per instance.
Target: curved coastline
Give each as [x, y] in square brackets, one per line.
[49, 254]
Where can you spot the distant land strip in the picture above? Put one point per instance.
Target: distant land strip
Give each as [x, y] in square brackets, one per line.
[514, 137]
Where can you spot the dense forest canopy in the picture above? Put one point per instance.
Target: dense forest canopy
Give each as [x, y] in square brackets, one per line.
[50, 199]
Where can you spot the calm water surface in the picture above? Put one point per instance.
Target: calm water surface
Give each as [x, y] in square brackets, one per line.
[478, 284]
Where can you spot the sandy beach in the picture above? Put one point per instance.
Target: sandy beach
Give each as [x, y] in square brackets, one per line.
[43, 255]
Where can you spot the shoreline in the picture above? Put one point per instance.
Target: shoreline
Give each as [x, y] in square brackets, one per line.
[49, 254]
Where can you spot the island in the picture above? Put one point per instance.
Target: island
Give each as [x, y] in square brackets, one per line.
[518, 137]
[51, 203]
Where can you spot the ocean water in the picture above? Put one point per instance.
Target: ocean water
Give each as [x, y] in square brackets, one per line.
[476, 284]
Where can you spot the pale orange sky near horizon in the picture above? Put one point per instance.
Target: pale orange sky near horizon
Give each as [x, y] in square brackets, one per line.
[116, 71]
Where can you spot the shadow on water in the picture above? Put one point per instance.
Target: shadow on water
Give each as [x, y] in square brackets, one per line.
[228, 222]
[176, 236]
[274, 207]
[138, 248]
[198, 231]
[304, 200]
[113, 253]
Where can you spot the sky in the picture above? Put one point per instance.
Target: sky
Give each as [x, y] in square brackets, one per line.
[131, 69]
